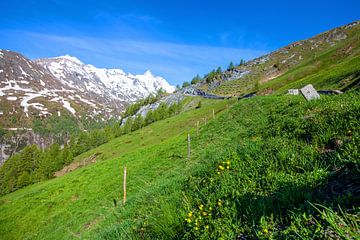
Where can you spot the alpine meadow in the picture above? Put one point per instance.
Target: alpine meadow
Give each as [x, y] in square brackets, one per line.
[267, 147]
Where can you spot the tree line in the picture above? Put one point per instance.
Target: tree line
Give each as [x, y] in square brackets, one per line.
[214, 75]
[33, 165]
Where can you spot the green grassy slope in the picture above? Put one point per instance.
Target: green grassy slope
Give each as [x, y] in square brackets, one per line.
[293, 171]
[329, 70]
[285, 156]
[80, 203]
[316, 60]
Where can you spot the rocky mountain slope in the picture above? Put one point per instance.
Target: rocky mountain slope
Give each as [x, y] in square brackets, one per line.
[329, 60]
[61, 88]
[65, 85]
[111, 86]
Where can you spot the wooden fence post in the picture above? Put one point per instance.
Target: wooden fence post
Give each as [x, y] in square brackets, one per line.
[188, 138]
[197, 128]
[213, 113]
[124, 185]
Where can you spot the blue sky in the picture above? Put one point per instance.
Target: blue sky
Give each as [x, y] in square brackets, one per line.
[175, 39]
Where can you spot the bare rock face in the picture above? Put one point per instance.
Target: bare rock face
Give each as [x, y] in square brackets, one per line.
[20, 138]
[309, 92]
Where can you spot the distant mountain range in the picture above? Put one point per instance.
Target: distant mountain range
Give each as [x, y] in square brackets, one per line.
[65, 85]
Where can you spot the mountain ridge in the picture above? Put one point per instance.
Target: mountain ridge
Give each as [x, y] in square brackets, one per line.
[37, 96]
[70, 83]
[272, 72]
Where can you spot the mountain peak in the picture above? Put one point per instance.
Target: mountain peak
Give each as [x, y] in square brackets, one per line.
[70, 58]
[148, 73]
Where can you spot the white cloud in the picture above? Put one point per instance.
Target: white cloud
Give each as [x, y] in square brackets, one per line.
[176, 61]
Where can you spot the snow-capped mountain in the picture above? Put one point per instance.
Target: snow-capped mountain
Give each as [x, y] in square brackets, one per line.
[65, 85]
[58, 93]
[110, 83]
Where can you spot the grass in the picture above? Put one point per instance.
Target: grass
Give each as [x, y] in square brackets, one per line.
[285, 156]
[273, 167]
[81, 203]
[326, 67]
[323, 72]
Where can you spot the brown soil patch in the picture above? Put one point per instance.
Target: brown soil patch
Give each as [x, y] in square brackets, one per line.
[93, 223]
[269, 77]
[76, 165]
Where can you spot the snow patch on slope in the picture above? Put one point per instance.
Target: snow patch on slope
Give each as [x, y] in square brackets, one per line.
[109, 83]
[65, 104]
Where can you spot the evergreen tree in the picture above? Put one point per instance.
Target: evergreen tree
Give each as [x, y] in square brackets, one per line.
[66, 155]
[162, 111]
[231, 66]
[185, 84]
[138, 123]
[23, 180]
[128, 125]
[149, 117]
[196, 79]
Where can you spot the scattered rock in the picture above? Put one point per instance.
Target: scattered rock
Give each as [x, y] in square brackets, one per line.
[293, 91]
[309, 92]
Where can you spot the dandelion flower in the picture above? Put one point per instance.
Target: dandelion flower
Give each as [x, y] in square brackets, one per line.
[221, 167]
[190, 214]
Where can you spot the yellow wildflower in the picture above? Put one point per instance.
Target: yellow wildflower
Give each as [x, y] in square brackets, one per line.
[190, 214]
[221, 167]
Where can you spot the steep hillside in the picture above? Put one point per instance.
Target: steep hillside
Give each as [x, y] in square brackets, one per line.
[268, 167]
[81, 203]
[329, 61]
